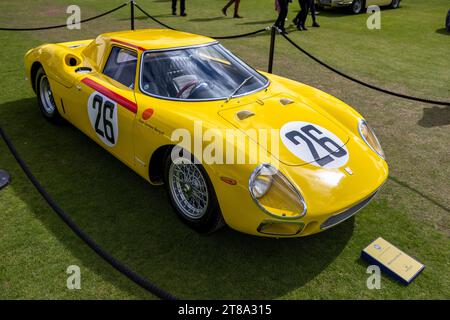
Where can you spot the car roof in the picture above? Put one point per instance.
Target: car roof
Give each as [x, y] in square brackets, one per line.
[151, 39]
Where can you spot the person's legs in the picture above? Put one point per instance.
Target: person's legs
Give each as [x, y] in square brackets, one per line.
[283, 14]
[312, 8]
[183, 7]
[236, 9]
[313, 13]
[174, 7]
[297, 17]
[277, 22]
[303, 14]
[224, 10]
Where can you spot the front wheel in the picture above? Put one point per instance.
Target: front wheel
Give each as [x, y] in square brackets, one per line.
[395, 4]
[357, 6]
[45, 98]
[192, 194]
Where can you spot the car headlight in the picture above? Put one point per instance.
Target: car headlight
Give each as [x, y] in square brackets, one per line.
[370, 138]
[275, 194]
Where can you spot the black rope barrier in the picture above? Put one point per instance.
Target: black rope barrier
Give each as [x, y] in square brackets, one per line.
[65, 25]
[122, 268]
[153, 18]
[368, 85]
[242, 35]
[219, 38]
[134, 4]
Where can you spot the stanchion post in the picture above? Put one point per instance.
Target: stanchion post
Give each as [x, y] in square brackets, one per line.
[132, 14]
[273, 34]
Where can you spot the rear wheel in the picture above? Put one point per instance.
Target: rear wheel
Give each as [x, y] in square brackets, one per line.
[357, 6]
[395, 4]
[192, 195]
[45, 98]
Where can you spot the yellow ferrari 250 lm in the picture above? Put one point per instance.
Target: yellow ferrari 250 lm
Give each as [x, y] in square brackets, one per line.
[133, 91]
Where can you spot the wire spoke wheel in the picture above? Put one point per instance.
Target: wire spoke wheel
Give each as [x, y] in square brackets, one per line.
[189, 188]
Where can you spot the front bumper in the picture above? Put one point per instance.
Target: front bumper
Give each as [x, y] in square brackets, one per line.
[328, 207]
[347, 213]
[308, 226]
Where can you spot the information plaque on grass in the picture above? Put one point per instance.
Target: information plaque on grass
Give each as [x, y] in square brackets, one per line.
[392, 260]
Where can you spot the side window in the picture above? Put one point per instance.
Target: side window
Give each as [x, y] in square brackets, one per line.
[121, 66]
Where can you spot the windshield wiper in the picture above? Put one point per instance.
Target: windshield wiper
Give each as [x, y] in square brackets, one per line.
[239, 87]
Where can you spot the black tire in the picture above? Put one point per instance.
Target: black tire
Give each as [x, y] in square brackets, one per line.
[45, 99]
[395, 4]
[357, 6]
[211, 220]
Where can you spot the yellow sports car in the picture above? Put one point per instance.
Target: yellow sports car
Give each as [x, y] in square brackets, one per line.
[263, 154]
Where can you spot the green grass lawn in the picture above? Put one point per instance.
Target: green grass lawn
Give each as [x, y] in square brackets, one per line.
[134, 221]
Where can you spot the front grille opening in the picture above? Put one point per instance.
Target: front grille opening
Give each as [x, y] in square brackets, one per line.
[310, 227]
[338, 218]
[277, 228]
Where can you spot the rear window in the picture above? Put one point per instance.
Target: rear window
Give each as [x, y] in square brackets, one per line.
[121, 66]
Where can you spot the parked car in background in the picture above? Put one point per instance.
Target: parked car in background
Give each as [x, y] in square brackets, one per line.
[357, 6]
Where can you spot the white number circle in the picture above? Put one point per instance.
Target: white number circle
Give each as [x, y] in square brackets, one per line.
[314, 144]
[102, 113]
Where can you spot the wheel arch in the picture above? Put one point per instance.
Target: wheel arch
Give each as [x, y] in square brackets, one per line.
[33, 72]
[156, 163]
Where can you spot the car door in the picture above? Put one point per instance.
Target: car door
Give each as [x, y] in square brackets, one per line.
[106, 107]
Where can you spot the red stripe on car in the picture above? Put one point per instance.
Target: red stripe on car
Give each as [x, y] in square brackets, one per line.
[128, 44]
[124, 102]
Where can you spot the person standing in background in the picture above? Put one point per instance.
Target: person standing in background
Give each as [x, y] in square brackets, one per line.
[182, 8]
[314, 13]
[283, 6]
[300, 19]
[236, 8]
[447, 22]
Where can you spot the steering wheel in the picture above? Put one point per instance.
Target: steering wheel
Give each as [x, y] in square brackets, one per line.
[187, 86]
[198, 86]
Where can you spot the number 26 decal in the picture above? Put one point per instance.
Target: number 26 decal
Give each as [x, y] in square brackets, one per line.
[103, 117]
[314, 144]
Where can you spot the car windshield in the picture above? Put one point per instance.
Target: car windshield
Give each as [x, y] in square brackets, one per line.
[198, 73]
